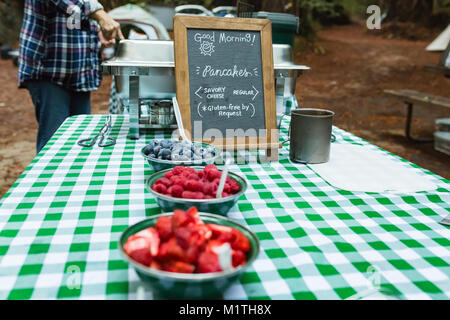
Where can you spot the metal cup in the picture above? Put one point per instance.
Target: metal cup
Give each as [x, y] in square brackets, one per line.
[310, 135]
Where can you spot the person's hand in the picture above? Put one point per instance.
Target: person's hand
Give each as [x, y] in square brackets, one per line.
[110, 29]
[105, 43]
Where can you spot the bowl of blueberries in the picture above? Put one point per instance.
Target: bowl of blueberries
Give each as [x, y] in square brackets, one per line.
[166, 154]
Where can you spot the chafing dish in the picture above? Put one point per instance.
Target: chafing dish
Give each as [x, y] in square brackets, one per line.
[145, 69]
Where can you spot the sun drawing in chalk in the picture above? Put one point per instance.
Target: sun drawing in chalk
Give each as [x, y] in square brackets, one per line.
[207, 48]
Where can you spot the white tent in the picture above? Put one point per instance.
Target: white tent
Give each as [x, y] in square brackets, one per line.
[441, 42]
[139, 16]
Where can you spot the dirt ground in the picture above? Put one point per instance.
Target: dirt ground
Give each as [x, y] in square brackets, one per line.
[349, 78]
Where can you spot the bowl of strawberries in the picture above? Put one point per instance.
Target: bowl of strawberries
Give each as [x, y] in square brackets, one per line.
[188, 254]
[184, 187]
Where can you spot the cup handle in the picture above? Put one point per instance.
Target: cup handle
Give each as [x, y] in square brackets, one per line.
[289, 132]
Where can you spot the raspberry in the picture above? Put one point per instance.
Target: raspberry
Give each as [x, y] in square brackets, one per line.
[189, 195]
[190, 170]
[168, 175]
[176, 191]
[194, 177]
[210, 167]
[210, 189]
[164, 181]
[234, 186]
[178, 170]
[226, 188]
[160, 188]
[193, 185]
[177, 180]
[213, 174]
[199, 195]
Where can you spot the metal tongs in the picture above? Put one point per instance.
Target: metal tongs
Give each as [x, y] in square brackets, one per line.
[104, 141]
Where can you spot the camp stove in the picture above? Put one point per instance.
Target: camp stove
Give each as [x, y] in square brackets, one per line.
[144, 73]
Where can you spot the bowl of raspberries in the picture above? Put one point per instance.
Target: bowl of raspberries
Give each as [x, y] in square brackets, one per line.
[187, 254]
[184, 187]
[165, 154]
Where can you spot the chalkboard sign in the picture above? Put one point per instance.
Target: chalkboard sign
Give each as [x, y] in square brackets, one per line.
[225, 81]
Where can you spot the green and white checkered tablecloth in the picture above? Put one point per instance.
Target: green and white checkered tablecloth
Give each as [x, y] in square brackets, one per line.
[60, 223]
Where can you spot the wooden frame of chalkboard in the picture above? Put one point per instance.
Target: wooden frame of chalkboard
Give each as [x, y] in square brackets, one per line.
[237, 29]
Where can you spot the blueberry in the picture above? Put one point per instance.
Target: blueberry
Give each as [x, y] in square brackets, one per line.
[148, 149]
[165, 154]
[152, 155]
[184, 158]
[156, 150]
[166, 144]
[176, 157]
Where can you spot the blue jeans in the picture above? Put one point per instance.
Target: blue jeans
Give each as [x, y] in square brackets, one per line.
[53, 104]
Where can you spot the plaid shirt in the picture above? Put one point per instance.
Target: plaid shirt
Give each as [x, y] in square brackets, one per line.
[60, 44]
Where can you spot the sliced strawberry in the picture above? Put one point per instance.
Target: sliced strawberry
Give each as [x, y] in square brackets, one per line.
[152, 237]
[155, 265]
[183, 236]
[181, 218]
[138, 250]
[217, 230]
[179, 266]
[208, 262]
[213, 245]
[164, 227]
[193, 212]
[238, 258]
[170, 250]
[241, 242]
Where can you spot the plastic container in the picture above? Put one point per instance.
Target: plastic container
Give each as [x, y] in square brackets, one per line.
[442, 142]
[284, 26]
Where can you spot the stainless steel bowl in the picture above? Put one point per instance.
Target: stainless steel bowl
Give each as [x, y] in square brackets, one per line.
[169, 285]
[219, 206]
[159, 165]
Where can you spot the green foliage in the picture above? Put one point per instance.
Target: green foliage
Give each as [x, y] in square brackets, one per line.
[10, 21]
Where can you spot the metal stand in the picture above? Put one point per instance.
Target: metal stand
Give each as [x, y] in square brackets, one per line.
[409, 116]
[134, 106]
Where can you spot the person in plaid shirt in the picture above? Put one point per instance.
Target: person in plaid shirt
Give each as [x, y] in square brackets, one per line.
[59, 60]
